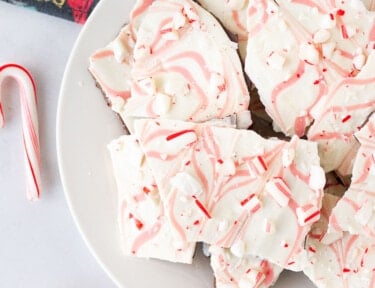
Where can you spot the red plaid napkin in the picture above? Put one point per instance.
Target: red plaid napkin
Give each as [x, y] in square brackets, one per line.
[75, 10]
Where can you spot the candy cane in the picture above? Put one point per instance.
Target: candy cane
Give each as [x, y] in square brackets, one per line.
[29, 124]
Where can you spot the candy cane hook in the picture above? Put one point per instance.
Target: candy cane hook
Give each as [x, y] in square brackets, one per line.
[30, 129]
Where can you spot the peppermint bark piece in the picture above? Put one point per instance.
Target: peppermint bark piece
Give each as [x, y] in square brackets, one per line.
[355, 211]
[226, 187]
[316, 76]
[179, 63]
[144, 228]
[291, 202]
[346, 262]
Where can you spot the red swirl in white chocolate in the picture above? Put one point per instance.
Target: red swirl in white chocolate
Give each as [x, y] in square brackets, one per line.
[316, 76]
[218, 190]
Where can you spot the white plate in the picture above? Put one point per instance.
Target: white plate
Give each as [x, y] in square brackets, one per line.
[84, 127]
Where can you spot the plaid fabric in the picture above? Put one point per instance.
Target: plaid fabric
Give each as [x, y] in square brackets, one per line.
[74, 10]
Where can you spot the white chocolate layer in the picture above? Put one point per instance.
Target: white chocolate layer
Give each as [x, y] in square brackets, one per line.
[232, 14]
[222, 196]
[317, 70]
[145, 230]
[348, 262]
[176, 63]
[241, 272]
[111, 68]
[355, 212]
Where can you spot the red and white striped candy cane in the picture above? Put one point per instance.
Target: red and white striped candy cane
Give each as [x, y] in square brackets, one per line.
[30, 129]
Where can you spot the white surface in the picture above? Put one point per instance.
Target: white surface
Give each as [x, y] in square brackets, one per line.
[85, 127]
[39, 243]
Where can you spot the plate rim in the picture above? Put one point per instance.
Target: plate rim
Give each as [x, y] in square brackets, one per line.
[60, 160]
